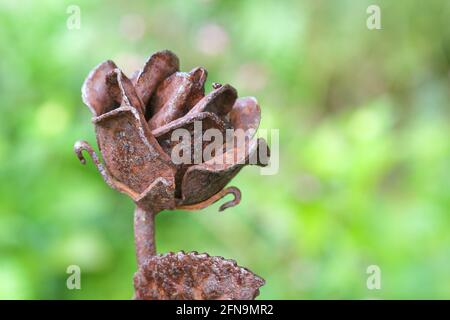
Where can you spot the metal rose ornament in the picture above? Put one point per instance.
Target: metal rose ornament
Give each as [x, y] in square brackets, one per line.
[137, 121]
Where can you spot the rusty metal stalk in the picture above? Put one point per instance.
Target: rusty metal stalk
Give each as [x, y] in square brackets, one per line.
[144, 234]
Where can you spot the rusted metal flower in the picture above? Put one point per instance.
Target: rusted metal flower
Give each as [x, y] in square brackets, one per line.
[135, 120]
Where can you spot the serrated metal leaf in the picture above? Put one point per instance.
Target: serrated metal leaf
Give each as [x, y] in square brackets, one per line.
[194, 276]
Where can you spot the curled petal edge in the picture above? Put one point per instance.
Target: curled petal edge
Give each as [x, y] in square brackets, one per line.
[219, 101]
[95, 89]
[128, 94]
[246, 115]
[159, 66]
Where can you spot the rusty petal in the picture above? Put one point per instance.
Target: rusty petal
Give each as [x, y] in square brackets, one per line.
[164, 133]
[131, 153]
[176, 96]
[194, 276]
[195, 82]
[219, 101]
[122, 89]
[171, 91]
[208, 120]
[198, 76]
[204, 180]
[246, 115]
[157, 68]
[96, 90]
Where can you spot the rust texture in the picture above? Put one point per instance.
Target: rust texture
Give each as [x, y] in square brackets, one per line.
[134, 119]
[194, 276]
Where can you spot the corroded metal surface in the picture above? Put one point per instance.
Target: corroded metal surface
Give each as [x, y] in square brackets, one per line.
[144, 234]
[158, 67]
[176, 96]
[246, 115]
[130, 154]
[220, 101]
[194, 276]
[95, 92]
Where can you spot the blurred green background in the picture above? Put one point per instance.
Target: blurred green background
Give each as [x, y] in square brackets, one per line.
[363, 115]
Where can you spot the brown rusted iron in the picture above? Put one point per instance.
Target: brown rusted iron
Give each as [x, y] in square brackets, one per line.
[134, 120]
[194, 276]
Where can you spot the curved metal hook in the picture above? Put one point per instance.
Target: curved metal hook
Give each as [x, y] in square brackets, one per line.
[236, 200]
[81, 146]
[219, 195]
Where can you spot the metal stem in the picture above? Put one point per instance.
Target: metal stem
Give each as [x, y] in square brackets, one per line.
[144, 234]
